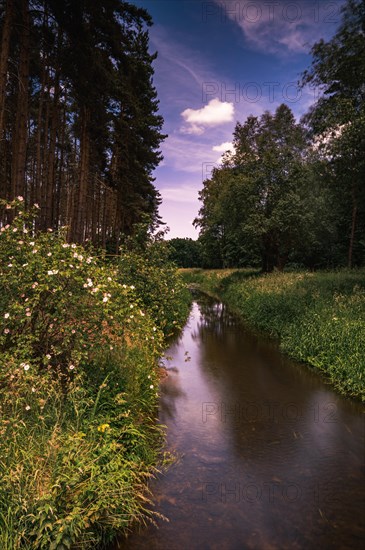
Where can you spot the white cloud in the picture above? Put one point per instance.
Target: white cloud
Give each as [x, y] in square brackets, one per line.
[183, 193]
[223, 147]
[215, 113]
[185, 154]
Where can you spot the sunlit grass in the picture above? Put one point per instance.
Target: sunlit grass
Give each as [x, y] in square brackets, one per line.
[319, 317]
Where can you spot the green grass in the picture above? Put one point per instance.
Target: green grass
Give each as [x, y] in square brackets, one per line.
[80, 340]
[318, 317]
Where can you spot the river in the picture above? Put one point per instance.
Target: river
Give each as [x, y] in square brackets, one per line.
[270, 457]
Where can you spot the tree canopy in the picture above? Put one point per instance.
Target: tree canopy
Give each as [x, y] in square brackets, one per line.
[294, 191]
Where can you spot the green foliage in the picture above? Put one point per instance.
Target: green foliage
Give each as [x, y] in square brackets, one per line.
[145, 264]
[319, 317]
[293, 192]
[185, 252]
[79, 346]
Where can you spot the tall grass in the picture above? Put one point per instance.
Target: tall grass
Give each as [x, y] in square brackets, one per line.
[80, 339]
[318, 317]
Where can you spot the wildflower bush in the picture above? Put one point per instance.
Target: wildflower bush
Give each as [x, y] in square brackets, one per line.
[319, 317]
[157, 281]
[79, 351]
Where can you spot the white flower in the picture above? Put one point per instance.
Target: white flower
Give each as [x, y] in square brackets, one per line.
[89, 260]
[6, 331]
[65, 245]
[34, 285]
[49, 230]
[71, 367]
[48, 356]
[124, 286]
[25, 366]
[154, 329]
[132, 287]
[7, 315]
[20, 198]
[36, 205]
[10, 265]
[151, 386]
[73, 245]
[15, 229]
[27, 408]
[49, 254]
[25, 231]
[149, 376]
[34, 251]
[80, 258]
[32, 243]
[105, 299]
[131, 306]
[24, 265]
[89, 282]
[28, 314]
[33, 390]
[20, 242]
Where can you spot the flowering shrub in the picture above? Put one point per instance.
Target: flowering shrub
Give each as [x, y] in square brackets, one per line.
[79, 349]
[163, 292]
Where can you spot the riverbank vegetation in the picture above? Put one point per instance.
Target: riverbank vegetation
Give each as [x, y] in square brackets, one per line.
[80, 338]
[318, 317]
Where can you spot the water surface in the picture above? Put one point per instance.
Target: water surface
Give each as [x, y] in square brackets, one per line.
[270, 456]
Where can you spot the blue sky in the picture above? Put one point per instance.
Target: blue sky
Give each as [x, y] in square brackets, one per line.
[218, 62]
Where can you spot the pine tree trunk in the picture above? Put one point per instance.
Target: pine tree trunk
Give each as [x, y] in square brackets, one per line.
[4, 59]
[21, 119]
[51, 187]
[81, 193]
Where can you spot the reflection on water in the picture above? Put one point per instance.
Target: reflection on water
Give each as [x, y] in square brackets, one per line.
[271, 457]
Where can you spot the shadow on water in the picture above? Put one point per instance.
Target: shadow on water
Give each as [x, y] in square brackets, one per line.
[271, 457]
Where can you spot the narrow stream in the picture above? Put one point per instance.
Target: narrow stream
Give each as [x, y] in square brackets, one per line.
[270, 456]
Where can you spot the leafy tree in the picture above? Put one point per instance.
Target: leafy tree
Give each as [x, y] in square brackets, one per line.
[338, 117]
[185, 252]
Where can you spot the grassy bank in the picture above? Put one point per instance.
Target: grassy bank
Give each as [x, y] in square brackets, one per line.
[80, 339]
[319, 317]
